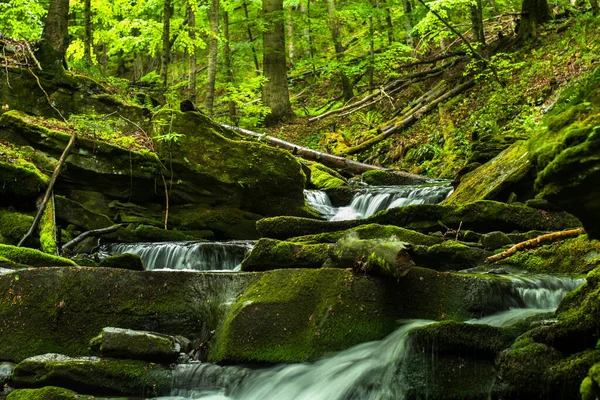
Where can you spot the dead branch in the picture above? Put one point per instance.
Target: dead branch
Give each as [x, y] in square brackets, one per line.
[550, 237]
[40, 211]
[432, 60]
[388, 130]
[93, 232]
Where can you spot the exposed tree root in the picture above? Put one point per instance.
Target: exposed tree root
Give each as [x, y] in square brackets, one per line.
[550, 237]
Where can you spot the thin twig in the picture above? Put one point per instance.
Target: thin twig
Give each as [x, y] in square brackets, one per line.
[6, 66]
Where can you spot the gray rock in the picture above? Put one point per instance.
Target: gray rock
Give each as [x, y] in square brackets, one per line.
[125, 261]
[137, 345]
[495, 240]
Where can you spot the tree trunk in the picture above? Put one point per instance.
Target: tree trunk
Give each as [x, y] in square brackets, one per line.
[595, 8]
[290, 33]
[213, 17]
[228, 66]
[166, 43]
[87, 26]
[55, 35]
[275, 90]
[307, 33]
[533, 13]
[192, 54]
[477, 22]
[250, 37]
[408, 26]
[390, 26]
[339, 49]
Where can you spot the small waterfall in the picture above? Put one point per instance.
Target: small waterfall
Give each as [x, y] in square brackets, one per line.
[197, 256]
[368, 201]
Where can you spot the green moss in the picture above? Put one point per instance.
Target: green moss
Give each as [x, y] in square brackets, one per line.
[30, 180]
[272, 254]
[323, 178]
[13, 226]
[31, 257]
[481, 216]
[93, 375]
[449, 255]
[390, 178]
[74, 213]
[45, 393]
[147, 233]
[124, 261]
[578, 255]
[47, 230]
[371, 231]
[590, 386]
[225, 222]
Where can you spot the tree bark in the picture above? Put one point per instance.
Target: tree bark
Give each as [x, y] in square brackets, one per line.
[55, 35]
[87, 234]
[390, 26]
[477, 22]
[290, 35]
[533, 13]
[339, 49]
[193, 73]
[87, 26]
[595, 8]
[275, 90]
[213, 17]
[228, 67]
[408, 26]
[250, 37]
[166, 43]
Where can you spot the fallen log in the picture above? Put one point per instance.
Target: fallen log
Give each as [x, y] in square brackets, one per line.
[550, 237]
[93, 232]
[388, 130]
[329, 160]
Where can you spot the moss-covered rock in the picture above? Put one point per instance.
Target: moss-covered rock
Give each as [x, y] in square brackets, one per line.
[371, 231]
[269, 181]
[21, 178]
[148, 233]
[48, 229]
[137, 345]
[270, 254]
[323, 178]
[391, 178]
[59, 310]
[45, 393]
[495, 240]
[32, 257]
[124, 261]
[481, 216]
[298, 315]
[590, 386]
[496, 179]
[13, 226]
[449, 255]
[93, 375]
[578, 255]
[224, 222]
[71, 212]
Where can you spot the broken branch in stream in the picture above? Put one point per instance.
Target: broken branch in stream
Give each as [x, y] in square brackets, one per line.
[550, 237]
[388, 130]
[93, 232]
[329, 160]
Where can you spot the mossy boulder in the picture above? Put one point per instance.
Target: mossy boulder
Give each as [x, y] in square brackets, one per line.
[129, 261]
[93, 375]
[13, 226]
[136, 345]
[295, 315]
[578, 255]
[148, 233]
[270, 254]
[71, 212]
[32, 257]
[496, 179]
[225, 222]
[59, 310]
[371, 231]
[324, 178]
[590, 387]
[20, 179]
[566, 152]
[495, 240]
[45, 393]
[481, 216]
[243, 173]
[391, 178]
[449, 255]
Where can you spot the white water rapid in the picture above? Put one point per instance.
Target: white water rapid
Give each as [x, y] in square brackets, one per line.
[369, 371]
[368, 201]
[197, 256]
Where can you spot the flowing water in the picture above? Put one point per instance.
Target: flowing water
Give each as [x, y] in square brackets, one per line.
[369, 371]
[368, 201]
[197, 256]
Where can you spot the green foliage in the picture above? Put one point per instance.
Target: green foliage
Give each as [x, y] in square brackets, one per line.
[22, 19]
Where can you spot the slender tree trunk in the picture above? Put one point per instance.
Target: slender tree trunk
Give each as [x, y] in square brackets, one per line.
[250, 37]
[290, 35]
[166, 43]
[192, 54]
[307, 32]
[408, 25]
[533, 13]
[55, 35]
[275, 90]
[228, 66]
[371, 54]
[339, 49]
[213, 17]
[477, 22]
[595, 8]
[87, 26]
[390, 26]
